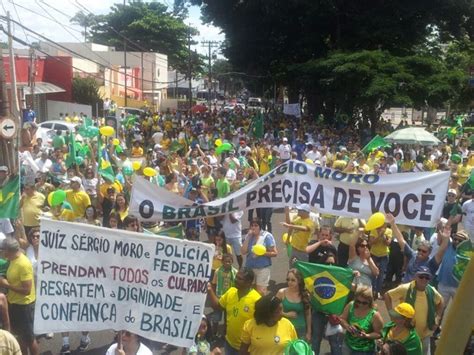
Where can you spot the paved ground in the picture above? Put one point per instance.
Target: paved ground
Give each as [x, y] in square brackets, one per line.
[101, 340]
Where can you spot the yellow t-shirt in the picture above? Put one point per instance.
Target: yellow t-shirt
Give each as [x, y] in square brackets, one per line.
[79, 201]
[137, 152]
[399, 337]
[238, 311]
[378, 246]
[300, 239]
[421, 306]
[348, 222]
[116, 185]
[268, 340]
[217, 262]
[407, 165]
[20, 270]
[8, 344]
[463, 173]
[31, 209]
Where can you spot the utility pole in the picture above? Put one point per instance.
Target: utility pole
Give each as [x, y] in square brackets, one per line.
[142, 74]
[125, 61]
[210, 45]
[153, 69]
[16, 105]
[32, 76]
[190, 72]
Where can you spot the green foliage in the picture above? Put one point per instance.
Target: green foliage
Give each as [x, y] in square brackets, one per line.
[149, 23]
[228, 79]
[85, 21]
[85, 91]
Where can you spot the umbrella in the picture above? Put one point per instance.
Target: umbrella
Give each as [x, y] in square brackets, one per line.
[199, 109]
[412, 135]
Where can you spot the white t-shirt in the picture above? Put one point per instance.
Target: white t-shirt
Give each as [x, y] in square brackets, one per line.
[231, 175]
[468, 219]
[157, 137]
[313, 155]
[233, 230]
[142, 350]
[43, 165]
[285, 151]
[5, 226]
[393, 169]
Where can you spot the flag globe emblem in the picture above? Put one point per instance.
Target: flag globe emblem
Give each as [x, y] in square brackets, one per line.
[324, 287]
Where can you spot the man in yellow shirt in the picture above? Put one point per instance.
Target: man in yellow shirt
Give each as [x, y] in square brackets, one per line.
[300, 230]
[21, 296]
[464, 171]
[239, 304]
[348, 229]
[77, 198]
[425, 299]
[31, 204]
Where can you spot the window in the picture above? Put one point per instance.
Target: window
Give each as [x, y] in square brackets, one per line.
[61, 127]
[47, 125]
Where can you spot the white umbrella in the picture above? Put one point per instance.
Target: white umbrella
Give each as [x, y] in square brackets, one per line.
[412, 135]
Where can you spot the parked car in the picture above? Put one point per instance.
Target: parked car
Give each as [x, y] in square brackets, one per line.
[47, 130]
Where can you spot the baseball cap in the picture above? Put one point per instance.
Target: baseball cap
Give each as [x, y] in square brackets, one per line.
[76, 179]
[304, 207]
[423, 270]
[4, 168]
[403, 309]
[157, 146]
[285, 139]
[452, 191]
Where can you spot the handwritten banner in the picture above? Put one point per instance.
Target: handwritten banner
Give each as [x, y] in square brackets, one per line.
[92, 278]
[292, 110]
[415, 199]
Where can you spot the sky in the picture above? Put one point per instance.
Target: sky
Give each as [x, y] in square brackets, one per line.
[41, 16]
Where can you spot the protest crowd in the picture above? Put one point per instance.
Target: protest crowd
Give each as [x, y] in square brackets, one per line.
[87, 176]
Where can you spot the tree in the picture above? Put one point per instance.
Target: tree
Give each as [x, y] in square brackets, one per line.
[149, 23]
[230, 81]
[84, 20]
[86, 91]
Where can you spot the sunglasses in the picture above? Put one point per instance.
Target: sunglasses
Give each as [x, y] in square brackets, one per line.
[424, 277]
[288, 280]
[254, 225]
[423, 251]
[365, 303]
[458, 240]
[363, 245]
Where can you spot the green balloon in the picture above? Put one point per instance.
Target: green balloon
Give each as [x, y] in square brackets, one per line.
[455, 158]
[79, 160]
[127, 170]
[90, 132]
[58, 197]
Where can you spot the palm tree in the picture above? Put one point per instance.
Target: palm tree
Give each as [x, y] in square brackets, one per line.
[84, 20]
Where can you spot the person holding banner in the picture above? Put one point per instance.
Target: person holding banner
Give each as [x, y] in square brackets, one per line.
[128, 344]
[259, 246]
[239, 304]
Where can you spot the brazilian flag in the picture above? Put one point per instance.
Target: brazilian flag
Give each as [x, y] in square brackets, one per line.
[328, 286]
[10, 198]
[172, 232]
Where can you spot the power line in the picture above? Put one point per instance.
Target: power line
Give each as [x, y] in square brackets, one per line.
[16, 39]
[78, 54]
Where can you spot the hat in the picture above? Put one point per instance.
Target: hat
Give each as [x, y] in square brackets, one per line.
[303, 207]
[10, 244]
[157, 146]
[4, 168]
[76, 179]
[462, 234]
[423, 270]
[285, 139]
[452, 191]
[403, 309]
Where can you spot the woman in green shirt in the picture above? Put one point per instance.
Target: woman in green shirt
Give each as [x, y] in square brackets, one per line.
[362, 322]
[296, 304]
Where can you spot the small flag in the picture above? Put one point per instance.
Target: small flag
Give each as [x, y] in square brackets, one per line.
[71, 156]
[328, 286]
[10, 198]
[376, 142]
[172, 232]
[105, 167]
[464, 252]
[256, 127]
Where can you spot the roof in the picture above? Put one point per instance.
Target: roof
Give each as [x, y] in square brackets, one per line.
[41, 87]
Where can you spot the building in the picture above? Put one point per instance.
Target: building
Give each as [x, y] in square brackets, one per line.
[52, 80]
[146, 72]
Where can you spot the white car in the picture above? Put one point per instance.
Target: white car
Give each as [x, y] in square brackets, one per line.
[47, 130]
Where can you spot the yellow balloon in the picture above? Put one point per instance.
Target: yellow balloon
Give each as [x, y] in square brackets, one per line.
[375, 221]
[284, 237]
[136, 165]
[309, 161]
[50, 198]
[107, 131]
[259, 249]
[218, 142]
[115, 141]
[149, 172]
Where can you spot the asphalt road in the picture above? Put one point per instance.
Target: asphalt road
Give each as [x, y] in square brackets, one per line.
[102, 340]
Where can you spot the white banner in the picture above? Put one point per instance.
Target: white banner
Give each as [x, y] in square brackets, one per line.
[415, 199]
[292, 110]
[92, 278]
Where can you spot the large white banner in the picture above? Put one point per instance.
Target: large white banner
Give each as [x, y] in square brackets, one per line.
[92, 278]
[292, 110]
[414, 199]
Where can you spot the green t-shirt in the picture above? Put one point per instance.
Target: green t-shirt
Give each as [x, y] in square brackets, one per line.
[223, 187]
[3, 266]
[58, 142]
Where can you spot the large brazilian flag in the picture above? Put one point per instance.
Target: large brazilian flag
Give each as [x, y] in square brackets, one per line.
[328, 286]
